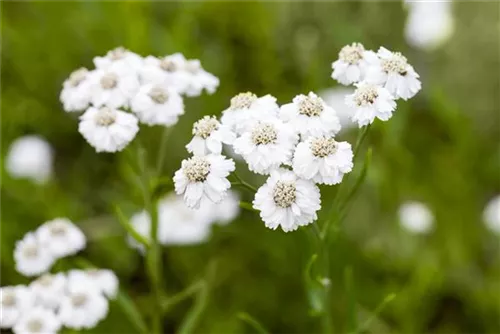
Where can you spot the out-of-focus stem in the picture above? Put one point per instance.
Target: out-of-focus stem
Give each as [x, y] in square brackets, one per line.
[162, 151]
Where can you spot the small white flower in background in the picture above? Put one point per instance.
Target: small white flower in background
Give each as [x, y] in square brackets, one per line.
[335, 98]
[61, 237]
[38, 320]
[266, 145]
[246, 109]
[288, 201]
[310, 116]
[203, 176]
[31, 257]
[392, 71]
[30, 157]
[370, 101]
[15, 301]
[416, 217]
[351, 66]
[491, 214]
[168, 71]
[208, 136]
[155, 104]
[75, 95]
[121, 57]
[82, 307]
[104, 280]
[199, 79]
[107, 129]
[49, 289]
[323, 160]
[141, 222]
[225, 211]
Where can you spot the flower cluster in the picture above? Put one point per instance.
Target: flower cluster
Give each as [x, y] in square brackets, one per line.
[380, 78]
[125, 89]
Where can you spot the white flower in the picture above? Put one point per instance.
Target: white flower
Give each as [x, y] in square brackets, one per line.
[491, 214]
[323, 160]
[113, 86]
[208, 136]
[335, 98]
[225, 211]
[108, 130]
[288, 201]
[392, 71]
[203, 176]
[351, 66]
[38, 320]
[104, 280]
[266, 145]
[310, 116]
[49, 289]
[30, 157]
[15, 301]
[82, 307]
[166, 71]
[157, 105]
[61, 237]
[121, 57]
[31, 257]
[246, 109]
[416, 217]
[75, 95]
[369, 102]
[199, 79]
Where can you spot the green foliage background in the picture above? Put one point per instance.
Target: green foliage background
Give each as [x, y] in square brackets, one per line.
[441, 148]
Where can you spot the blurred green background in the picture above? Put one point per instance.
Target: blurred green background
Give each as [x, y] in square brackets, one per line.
[442, 148]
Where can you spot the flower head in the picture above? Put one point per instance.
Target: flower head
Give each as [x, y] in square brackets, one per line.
[15, 301]
[157, 105]
[103, 280]
[351, 65]
[75, 95]
[32, 258]
[119, 57]
[415, 217]
[208, 136]
[82, 307]
[61, 237]
[370, 101]
[49, 289]
[38, 320]
[199, 79]
[491, 214]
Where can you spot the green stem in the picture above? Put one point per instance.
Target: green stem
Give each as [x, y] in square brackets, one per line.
[129, 228]
[243, 316]
[242, 183]
[162, 151]
[361, 138]
[186, 293]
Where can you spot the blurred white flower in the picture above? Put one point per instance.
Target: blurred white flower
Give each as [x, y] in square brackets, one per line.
[108, 130]
[49, 289]
[103, 280]
[199, 79]
[370, 101]
[491, 214]
[208, 136]
[61, 237]
[335, 98]
[225, 211]
[351, 66]
[38, 320]
[310, 116]
[166, 71]
[157, 105]
[323, 160]
[31, 257]
[30, 157]
[82, 307]
[392, 71]
[113, 86]
[75, 95]
[288, 201]
[120, 57]
[15, 301]
[201, 177]
[266, 145]
[416, 217]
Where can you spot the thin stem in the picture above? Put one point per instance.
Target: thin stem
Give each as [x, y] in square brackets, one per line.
[361, 138]
[162, 149]
[129, 228]
[243, 316]
[186, 293]
[243, 183]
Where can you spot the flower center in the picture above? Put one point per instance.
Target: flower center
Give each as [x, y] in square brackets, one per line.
[197, 169]
[205, 126]
[167, 64]
[35, 325]
[243, 100]
[118, 53]
[8, 299]
[105, 116]
[365, 95]
[311, 106]
[30, 251]
[396, 64]
[78, 300]
[263, 134]
[193, 66]
[109, 80]
[58, 229]
[45, 280]
[284, 194]
[158, 95]
[352, 53]
[76, 77]
[322, 147]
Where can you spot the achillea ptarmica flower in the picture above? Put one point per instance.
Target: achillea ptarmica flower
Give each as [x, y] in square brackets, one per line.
[288, 201]
[369, 102]
[113, 86]
[49, 289]
[491, 215]
[310, 116]
[82, 307]
[392, 71]
[203, 176]
[246, 109]
[15, 301]
[30, 157]
[166, 71]
[75, 95]
[61, 237]
[416, 217]
[38, 320]
[199, 79]
[31, 257]
[266, 145]
[351, 66]
[107, 129]
[121, 57]
[323, 160]
[208, 136]
[104, 280]
[157, 104]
